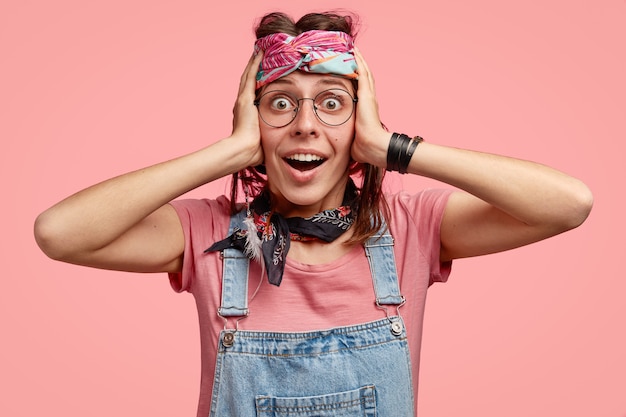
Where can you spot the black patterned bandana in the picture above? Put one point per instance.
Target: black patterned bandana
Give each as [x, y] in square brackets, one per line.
[275, 232]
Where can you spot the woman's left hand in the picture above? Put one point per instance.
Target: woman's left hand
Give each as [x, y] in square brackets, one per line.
[371, 140]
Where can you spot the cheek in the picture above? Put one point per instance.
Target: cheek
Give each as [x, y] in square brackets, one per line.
[345, 137]
[268, 139]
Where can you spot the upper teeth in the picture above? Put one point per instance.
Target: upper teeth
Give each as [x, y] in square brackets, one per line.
[305, 157]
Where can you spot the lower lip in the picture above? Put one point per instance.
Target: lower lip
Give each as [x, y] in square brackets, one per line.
[302, 176]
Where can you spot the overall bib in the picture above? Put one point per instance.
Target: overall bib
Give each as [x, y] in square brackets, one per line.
[358, 370]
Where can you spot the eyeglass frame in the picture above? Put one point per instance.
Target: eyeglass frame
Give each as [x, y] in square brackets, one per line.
[257, 102]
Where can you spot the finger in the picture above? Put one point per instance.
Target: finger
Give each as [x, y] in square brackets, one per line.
[244, 74]
[248, 78]
[364, 71]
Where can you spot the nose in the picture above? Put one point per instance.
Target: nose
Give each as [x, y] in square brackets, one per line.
[306, 122]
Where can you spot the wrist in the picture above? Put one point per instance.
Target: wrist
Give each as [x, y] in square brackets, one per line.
[400, 151]
[243, 152]
[372, 151]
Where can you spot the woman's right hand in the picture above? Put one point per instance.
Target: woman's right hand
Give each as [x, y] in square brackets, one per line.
[246, 130]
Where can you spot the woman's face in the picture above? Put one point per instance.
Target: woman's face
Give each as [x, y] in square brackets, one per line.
[307, 161]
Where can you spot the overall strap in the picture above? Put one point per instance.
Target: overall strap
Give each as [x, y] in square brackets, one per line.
[379, 251]
[235, 275]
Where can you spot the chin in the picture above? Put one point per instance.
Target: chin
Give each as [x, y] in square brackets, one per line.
[301, 202]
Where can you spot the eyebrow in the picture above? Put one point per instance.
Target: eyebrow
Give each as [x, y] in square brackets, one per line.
[331, 81]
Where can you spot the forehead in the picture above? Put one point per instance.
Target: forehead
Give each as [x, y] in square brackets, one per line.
[300, 81]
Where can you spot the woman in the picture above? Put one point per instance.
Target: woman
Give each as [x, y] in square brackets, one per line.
[311, 288]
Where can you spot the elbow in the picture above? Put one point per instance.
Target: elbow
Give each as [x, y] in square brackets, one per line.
[50, 238]
[579, 206]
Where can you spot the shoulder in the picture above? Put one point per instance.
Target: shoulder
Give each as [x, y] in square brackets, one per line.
[203, 218]
[415, 219]
[416, 227]
[203, 221]
[202, 207]
[426, 204]
[220, 203]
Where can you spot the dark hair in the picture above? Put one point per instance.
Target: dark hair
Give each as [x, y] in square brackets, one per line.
[278, 22]
[371, 207]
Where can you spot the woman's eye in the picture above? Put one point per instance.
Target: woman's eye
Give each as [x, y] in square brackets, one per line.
[281, 103]
[331, 103]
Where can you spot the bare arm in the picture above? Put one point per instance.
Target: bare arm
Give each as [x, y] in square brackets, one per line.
[126, 223]
[505, 202]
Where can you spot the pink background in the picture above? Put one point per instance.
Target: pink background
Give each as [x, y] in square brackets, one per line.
[92, 89]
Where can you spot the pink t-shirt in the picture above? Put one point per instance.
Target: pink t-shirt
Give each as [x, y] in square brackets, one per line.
[312, 297]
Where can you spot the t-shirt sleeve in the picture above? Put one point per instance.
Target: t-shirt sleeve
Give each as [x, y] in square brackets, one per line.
[417, 219]
[203, 221]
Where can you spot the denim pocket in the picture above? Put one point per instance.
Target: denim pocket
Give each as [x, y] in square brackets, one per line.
[359, 402]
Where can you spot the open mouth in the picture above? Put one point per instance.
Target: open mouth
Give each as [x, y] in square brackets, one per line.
[304, 162]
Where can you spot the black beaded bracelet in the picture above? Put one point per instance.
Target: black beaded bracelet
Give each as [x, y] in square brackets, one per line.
[393, 151]
[400, 152]
[404, 165]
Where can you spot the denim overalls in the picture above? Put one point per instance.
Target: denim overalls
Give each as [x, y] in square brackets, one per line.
[359, 370]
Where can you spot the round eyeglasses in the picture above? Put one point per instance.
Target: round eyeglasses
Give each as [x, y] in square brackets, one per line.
[332, 107]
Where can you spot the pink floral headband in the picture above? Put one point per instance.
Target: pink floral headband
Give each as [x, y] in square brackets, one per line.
[316, 51]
